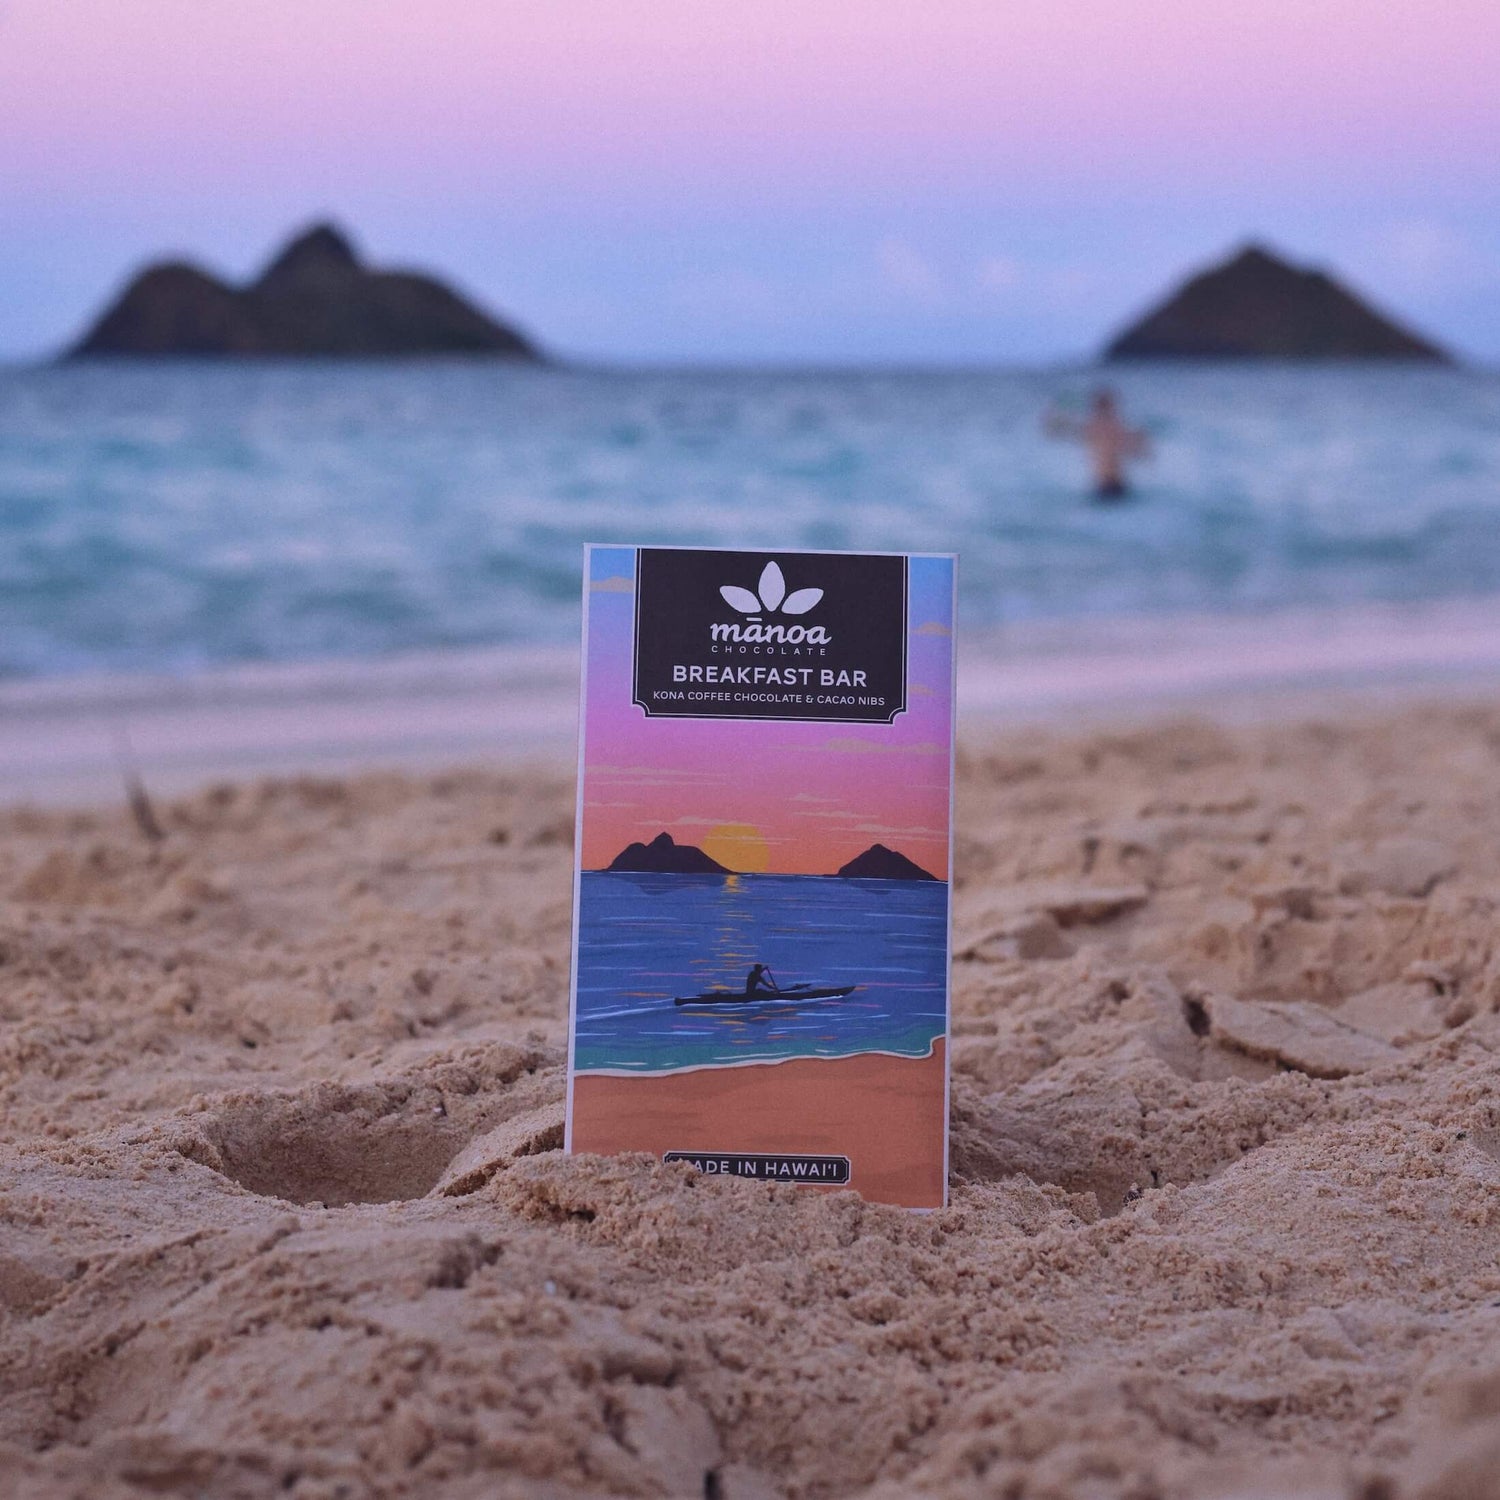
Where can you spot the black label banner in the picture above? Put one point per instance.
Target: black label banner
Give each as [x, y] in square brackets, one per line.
[770, 635]
[832, 1170]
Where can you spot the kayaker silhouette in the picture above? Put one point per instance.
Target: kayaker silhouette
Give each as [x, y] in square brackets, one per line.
[759, 981]
[760, 984]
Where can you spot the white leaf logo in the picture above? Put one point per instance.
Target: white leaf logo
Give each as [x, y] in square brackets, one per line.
[740, 599]
[773, 595]
[772, 587]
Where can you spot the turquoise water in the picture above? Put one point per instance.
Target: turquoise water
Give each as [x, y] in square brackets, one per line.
[645, 939]
[179, 516]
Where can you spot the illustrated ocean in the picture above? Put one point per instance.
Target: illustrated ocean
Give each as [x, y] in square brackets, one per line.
[645, 940]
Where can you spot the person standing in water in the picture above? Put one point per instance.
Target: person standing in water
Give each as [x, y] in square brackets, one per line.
[1111, 443]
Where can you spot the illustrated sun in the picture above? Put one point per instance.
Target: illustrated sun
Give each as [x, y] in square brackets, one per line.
[738, 846]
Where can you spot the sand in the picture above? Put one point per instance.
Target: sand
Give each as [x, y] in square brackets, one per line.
[885, 1113]
[282, 1210]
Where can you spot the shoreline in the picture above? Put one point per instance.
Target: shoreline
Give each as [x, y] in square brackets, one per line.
[67, 739]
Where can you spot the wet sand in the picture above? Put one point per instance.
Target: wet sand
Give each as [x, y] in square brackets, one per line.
[63, 740]
[283, 1209]
[885, 1113]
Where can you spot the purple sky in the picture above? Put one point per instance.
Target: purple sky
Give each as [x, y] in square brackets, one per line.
[761, 179]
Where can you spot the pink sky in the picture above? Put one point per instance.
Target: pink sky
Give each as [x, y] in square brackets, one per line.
[777, 83]
[941, 154]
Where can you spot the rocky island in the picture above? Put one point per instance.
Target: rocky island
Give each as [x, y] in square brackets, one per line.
[880, 863]
[315, 299]
[1257, 306]
[664, 856]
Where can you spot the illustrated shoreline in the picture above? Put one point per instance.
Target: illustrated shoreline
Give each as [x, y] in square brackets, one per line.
[759, 1062]
[892, 1107]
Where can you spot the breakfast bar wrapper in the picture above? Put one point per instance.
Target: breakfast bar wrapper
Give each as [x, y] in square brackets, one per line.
[761, 949]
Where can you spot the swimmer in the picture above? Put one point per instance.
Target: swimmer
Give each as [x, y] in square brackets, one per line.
[1110, 442]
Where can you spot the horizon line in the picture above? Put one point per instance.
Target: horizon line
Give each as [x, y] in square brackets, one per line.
[787, 365]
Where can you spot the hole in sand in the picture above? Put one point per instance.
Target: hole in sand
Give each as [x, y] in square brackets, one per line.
[333, 1146]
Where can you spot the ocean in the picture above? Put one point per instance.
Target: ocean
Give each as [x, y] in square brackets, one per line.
[646, 939]
[168, 518]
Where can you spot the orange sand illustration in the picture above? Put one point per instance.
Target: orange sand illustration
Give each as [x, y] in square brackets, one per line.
[892, 1107]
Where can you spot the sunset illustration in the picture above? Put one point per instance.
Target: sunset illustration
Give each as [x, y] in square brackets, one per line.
[793, 798]
[737, 846]
[762, 921]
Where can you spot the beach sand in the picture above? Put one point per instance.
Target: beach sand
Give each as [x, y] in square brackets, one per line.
[282, 1209]
[885, 1113]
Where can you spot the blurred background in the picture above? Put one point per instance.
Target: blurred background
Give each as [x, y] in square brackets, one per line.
[763, 273]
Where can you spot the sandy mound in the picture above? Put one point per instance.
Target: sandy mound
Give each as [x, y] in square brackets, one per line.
[282, 1210]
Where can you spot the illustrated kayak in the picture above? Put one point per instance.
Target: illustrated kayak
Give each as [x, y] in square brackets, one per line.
[761, 997]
